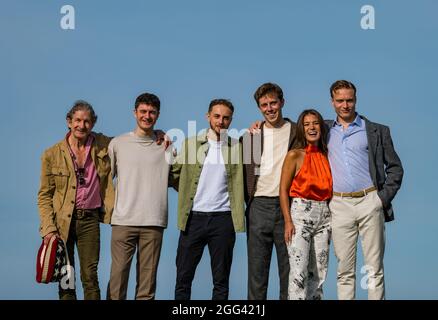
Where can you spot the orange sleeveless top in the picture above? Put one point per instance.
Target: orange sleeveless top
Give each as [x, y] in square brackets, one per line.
[314, 179]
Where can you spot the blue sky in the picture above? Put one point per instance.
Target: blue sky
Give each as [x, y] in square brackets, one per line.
[189, 52]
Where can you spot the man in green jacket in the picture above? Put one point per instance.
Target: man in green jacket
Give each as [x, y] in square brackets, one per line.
[210, 201]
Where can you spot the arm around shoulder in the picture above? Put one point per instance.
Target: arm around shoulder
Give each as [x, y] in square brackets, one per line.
[176, 167]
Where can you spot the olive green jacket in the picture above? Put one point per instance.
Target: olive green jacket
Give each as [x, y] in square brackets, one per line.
[187, 170]
[57, 193]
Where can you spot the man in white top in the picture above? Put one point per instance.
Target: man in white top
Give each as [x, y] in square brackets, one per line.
[263, 156]
[141, 170]
[210, 202]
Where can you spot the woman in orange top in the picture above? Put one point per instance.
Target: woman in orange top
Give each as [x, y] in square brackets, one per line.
[307, 180]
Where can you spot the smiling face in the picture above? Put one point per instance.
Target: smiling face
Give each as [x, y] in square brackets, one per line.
[344, 102]
[80, 125]
[146, 117]
[312, 129]
[270, 106]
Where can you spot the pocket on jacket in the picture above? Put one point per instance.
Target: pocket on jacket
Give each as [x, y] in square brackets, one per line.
[61, 176]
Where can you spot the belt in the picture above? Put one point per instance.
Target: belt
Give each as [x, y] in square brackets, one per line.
[84, 212]
[356, 194]
[211, 214]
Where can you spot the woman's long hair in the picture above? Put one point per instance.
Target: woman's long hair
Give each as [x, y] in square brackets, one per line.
[301, 141]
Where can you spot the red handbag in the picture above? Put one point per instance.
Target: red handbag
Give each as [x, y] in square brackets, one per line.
[51, 261]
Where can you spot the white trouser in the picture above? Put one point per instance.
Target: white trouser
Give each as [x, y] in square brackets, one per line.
[309, 249]
[352, 217]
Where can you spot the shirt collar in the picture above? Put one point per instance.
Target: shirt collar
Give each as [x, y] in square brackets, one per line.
[357, 121]
[90, 140]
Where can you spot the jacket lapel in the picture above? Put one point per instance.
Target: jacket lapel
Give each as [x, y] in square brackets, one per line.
[329, 124]
[203, 146]
[67, 157]
[291, 134]
[372, 136]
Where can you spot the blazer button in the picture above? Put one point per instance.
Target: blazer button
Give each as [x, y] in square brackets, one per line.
[73, 187]
[72, 202]
[69, 215]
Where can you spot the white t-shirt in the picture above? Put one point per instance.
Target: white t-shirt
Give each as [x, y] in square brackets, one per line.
[212, 192]
[275, 146]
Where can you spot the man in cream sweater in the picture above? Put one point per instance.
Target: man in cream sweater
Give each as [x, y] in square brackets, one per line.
[141, 168]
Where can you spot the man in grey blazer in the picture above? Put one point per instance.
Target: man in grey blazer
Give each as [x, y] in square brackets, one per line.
[367, 174]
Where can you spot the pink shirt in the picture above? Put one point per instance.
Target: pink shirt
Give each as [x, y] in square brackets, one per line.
[87, 194]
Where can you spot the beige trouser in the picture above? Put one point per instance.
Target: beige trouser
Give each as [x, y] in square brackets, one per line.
[124, 241]
[352, 217]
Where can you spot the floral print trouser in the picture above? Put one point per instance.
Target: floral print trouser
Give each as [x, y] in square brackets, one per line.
[309, 249]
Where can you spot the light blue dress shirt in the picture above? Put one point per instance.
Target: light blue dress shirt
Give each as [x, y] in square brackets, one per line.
[348, 156]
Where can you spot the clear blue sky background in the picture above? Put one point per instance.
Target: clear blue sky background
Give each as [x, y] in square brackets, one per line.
[188, 52]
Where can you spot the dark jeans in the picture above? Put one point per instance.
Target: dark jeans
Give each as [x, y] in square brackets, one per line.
[265, 229]
[85, 233]
[217, 231]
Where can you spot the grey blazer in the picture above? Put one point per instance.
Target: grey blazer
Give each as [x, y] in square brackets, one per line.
[385, 166]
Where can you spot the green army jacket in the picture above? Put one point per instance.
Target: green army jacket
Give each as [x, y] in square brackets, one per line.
[187, 170]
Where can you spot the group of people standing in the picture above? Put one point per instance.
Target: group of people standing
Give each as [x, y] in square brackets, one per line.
[291, 185]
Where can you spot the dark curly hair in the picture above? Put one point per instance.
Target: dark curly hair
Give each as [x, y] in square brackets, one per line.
[148, 98]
